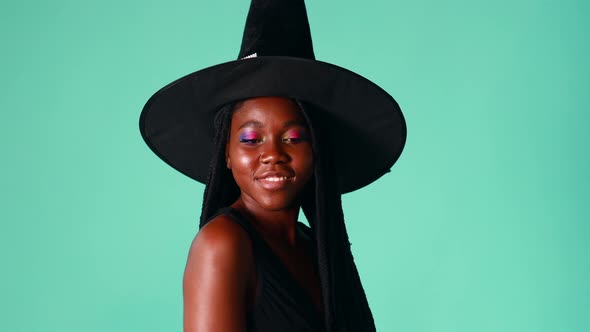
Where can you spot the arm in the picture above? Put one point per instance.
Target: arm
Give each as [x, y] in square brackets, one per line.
[216, 278]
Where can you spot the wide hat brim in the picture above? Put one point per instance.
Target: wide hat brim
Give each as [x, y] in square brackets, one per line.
[366, 129]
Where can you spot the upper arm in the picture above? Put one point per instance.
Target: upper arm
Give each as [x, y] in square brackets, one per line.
[216, 278]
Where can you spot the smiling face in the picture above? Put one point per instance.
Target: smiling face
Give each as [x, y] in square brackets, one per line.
[269, 152]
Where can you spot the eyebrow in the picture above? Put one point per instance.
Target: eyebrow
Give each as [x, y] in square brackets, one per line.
[258, 124]
[252, 123]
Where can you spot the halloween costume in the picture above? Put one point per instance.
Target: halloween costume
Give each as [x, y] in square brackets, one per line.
[277, 59]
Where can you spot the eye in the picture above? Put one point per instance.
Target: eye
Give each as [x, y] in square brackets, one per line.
[293, 140]
[295, 136]
[250, 138]
[250, 141]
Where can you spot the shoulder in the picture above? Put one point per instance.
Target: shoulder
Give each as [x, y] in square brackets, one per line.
[222, 233]
[217, 277]
[221, 241]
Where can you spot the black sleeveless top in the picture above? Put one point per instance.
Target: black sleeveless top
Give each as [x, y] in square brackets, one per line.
[281, 304]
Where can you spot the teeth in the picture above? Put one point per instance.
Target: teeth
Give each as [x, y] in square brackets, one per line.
[276, 178]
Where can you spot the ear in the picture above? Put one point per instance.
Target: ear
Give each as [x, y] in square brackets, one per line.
[227, 158]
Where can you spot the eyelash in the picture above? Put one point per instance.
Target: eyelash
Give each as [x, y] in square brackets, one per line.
[253, 141]
[250, 141]
[293, 140]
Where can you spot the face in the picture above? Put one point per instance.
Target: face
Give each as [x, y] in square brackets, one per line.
[269, 152]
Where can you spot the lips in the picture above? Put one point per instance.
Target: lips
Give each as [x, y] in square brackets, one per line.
[274, 180]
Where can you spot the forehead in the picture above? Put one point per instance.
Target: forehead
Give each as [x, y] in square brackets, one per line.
[268, 111]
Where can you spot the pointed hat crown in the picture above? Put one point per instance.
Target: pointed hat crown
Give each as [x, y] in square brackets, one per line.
[277, 28]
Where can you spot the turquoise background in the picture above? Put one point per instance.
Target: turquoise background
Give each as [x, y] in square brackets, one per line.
[482, 225]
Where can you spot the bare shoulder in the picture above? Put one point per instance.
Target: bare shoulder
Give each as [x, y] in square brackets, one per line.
[221, 245]
[221, 236]
[217, 277]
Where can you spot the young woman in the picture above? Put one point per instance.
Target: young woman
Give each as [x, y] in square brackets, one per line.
[288, 133]
[269, 153]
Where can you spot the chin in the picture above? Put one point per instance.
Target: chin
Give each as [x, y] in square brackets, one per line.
[277, 204]
[275, 201]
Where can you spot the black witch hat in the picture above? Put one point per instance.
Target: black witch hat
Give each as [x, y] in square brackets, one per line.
[366, 131]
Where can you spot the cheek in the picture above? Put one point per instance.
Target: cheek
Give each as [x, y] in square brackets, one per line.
[306, 163]
[242, 163]
[245, 164]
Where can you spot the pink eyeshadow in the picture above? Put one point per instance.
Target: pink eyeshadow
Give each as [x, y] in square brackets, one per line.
[248, 135]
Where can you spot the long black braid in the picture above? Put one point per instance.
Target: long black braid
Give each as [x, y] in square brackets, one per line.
[221, 189]
[345, 304]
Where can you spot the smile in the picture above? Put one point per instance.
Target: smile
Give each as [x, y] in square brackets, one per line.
[276, 178]
[273, 182]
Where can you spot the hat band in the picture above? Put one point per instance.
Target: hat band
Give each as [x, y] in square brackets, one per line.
[253, 55]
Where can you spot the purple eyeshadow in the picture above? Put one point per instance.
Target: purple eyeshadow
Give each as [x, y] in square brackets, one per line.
[248, 135]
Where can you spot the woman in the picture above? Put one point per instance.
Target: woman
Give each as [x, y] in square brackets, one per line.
[268, 152]
[289, 133]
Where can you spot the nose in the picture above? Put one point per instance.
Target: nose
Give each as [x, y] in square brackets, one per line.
[273, 153]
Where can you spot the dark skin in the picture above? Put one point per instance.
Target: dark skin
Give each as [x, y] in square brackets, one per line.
[270, 155]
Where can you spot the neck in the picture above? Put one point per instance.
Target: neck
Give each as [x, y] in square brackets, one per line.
[275, 225]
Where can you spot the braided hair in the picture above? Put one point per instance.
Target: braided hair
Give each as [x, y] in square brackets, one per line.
[345, 304]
